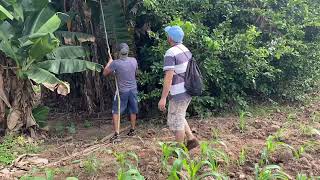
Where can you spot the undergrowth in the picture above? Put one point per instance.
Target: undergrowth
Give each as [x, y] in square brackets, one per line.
[13, 146]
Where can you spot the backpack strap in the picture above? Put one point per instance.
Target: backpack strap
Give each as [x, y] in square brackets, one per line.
[175, 59]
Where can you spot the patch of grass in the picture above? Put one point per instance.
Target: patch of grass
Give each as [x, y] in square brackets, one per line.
[72, 128]
[315, 117]
[305, 177]
[311, 146]
[308, 130]
[261, 110]
[59, 128]
[292, 117]
[92, 165]
[87, 124]
[49, 174]
[13, 146]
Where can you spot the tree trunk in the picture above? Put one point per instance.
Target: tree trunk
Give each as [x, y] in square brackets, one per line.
[17, 97]
[20, 117]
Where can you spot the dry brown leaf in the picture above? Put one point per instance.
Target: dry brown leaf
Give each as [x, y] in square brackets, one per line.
[13, 119]
[62, 88]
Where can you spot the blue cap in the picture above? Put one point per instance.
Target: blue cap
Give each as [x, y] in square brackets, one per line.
[175, 33]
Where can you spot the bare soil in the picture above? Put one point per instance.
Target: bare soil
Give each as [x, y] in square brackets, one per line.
[262, 123]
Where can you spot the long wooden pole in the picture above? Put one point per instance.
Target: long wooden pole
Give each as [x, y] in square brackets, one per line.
[109, 53]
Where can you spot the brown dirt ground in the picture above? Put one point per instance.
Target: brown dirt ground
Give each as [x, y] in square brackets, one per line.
[262, 123]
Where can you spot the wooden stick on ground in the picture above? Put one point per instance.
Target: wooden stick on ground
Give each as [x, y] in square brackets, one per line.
[86, 151]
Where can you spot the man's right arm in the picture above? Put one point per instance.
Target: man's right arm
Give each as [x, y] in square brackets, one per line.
[109, 68]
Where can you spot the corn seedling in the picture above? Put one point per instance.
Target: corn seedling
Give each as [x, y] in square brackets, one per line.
[242, 157]
[270, 147]
[195, 168]
[213, 156]
[243, 121]
[91, 165]
[279, 134]
[299, 152]
[128, 166]
[270, 172]
[302, 177]
[172, 149]
[215, 133]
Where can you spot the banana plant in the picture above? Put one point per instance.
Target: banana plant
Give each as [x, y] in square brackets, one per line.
[36, 56]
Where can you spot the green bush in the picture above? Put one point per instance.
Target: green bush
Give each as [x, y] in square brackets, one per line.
[246, 49]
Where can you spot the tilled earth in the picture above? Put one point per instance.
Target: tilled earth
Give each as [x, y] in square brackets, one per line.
[290, 124]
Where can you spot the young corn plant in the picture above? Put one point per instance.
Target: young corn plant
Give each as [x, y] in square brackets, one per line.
[242, 157]
[305, 177]
[213, 156]
[215, 133]
[128, 166]
[279, 134]
[243, 121]
[92, 165]
[270, 147]
[172, 149]
[270, 172]
[196, 169]
[272, 144]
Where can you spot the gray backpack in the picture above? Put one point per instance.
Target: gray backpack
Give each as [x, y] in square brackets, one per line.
[193, 79]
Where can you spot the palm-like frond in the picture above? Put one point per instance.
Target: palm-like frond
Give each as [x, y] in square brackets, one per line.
[116, 23]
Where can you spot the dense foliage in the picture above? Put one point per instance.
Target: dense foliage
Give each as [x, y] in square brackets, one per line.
[264, 48]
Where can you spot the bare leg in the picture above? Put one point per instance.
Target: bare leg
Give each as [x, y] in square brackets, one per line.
[189, 134]
[133, 120]
[179, 136]
[116, 124]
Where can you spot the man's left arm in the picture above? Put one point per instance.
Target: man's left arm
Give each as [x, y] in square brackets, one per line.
[167, 83]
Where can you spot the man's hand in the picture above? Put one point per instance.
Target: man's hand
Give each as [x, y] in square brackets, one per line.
[162, 104]
[107, 70]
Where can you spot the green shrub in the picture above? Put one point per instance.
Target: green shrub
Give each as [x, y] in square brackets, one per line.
[245, 49]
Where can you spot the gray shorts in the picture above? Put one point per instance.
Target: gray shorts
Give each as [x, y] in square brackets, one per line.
[177, 114]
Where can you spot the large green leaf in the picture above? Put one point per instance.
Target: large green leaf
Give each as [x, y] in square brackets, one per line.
[47, 21]
[6, 31]
[4, 13]
[40, 75]
[42, 46]
[34, 5]
[116, 23]
[62, 66]
[68, 52]
[18, 11]
[81, 37]
[47, 79]
[40, 114]
[7, 48]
